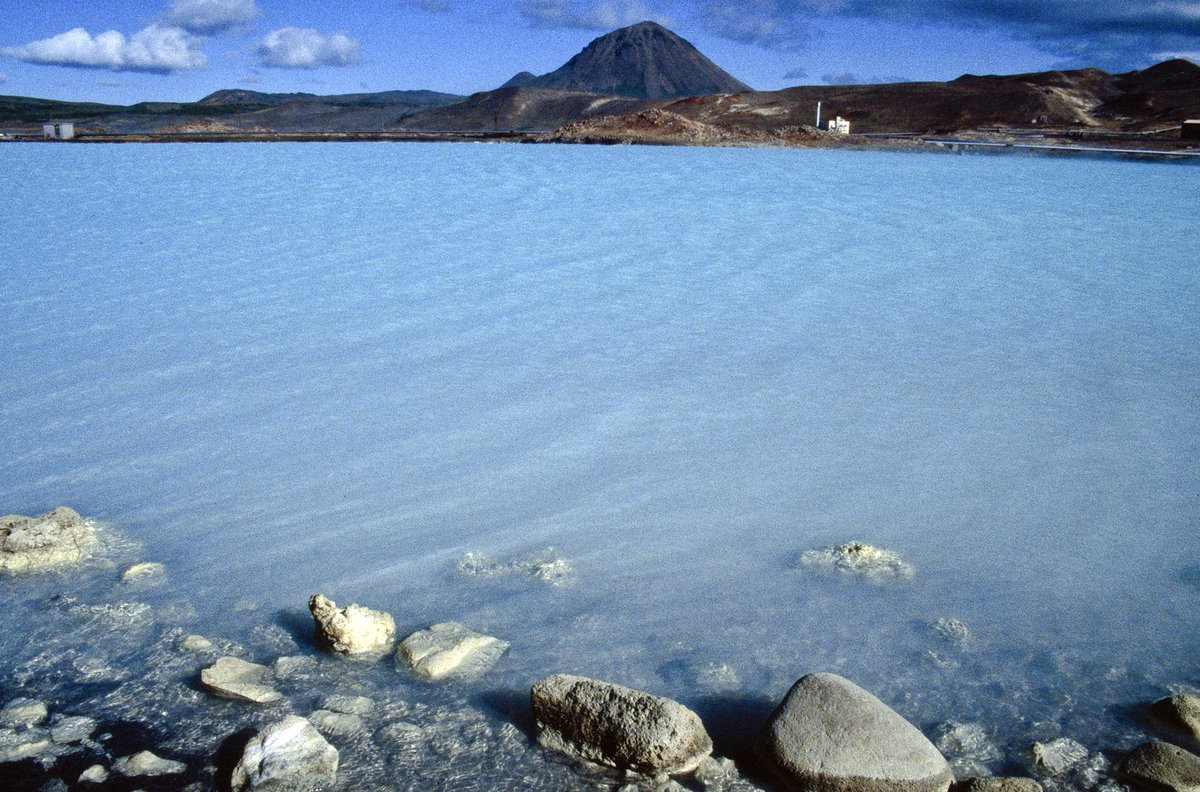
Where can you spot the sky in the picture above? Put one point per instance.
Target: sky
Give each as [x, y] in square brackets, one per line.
[126, 51]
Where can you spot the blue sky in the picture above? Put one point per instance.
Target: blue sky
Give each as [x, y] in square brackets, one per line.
[124, 51]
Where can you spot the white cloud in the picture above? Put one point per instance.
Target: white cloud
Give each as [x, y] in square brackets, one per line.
[305, 48]
[158, 48]
[211, 16]
[604, 15]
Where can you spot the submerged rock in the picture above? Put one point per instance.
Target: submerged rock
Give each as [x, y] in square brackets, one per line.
[351, 705]
[23, 712]
[195, 643]
[450, 650]
[1180, 714]
[859, 559]
[1161, 767]
[146, 763]
[288, 755]
[829, 734]
[1057, 756]
[617, 726]
[72, 729]
[544, 565]
[967, 747]
[237, 679]
[339, 724]
[952, 631]
[25, 743]
[998, 784]
[352, 629]
[57, 539]
[292, 666]
[149, 569]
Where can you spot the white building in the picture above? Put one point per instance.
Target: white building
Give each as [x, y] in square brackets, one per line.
[60, 131]
[839, 126]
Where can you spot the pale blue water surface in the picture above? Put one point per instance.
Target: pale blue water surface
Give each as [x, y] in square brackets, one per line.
[282, 369]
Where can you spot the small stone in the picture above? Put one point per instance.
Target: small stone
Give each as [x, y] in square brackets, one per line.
[72, 729]
[545, 565]
[237, 679]
[142, 571]
[450, 649]
[96, 774]
[1161, 767]
[290, 755]
[195, 643]
[339, 724]
[860, 559]
[353, 629]
[22, 712]
[1057, 756]
[831, 735]
[618, 726]
[146, 763]
[351, 705]
[57, 539]
[1180, 714]
[998, 784]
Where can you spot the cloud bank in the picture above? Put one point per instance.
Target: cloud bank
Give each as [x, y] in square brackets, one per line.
[158, 48]
[603, 15]
[305, 48]
[206, 17]
[1096, 32]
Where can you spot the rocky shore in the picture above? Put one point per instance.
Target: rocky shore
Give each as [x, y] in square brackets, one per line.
[191, 712]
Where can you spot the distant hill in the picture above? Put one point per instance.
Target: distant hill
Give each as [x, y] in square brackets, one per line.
[643, 61]
[645, 67]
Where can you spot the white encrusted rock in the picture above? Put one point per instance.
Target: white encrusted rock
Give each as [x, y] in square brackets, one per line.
[617, 726]
[829, 734]
[353, 629]
[57, 539]
[96, 774]
[860, 559]
[288, 755]
[23, 712]
[232, 678]
[145, 763]
[449, 649]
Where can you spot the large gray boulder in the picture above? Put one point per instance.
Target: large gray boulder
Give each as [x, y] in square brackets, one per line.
[353, 629]
[1180, 714]
[830, 735]
[617, 726]
[449, 649]
[288, 756]
[57, 539]
[998, 784]
[1161, 767]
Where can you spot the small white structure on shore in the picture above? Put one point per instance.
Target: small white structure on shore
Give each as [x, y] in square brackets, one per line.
[839, 126]
[60, 131]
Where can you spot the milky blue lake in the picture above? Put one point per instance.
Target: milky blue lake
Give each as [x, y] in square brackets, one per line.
[372, 370]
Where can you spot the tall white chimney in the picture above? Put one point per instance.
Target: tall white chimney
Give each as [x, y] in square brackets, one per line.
[818, 115]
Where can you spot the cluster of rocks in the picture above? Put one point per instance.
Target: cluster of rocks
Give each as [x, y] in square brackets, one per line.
[827, 735]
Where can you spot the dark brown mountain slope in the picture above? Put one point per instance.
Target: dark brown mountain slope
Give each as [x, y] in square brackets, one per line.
[643, 61]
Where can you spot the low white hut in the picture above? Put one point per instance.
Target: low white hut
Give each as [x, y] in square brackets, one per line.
[59, 131]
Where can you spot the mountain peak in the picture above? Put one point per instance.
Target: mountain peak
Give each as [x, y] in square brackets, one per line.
[645, 61]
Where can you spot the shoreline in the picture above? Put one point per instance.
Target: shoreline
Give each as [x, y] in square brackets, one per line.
[1152, 150]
